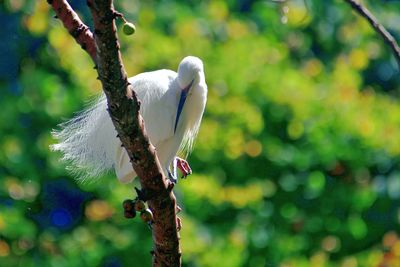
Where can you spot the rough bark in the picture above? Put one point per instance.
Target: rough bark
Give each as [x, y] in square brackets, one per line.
[71, 21]
[124, 111]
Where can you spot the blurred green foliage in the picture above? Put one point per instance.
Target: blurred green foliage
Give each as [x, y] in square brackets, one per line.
[297, 159]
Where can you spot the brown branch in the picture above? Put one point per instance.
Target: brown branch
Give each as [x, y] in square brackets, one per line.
[124, 110]
[387, 37]
[71, 21]
[123, 107]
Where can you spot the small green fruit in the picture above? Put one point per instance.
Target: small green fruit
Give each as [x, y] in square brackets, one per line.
[129, 28]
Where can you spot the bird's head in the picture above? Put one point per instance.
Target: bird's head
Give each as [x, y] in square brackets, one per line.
[190, 78]
[189, 72]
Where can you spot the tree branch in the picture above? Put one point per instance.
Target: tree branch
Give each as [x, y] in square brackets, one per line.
[123, 107]
[71, 21]
[387, 37]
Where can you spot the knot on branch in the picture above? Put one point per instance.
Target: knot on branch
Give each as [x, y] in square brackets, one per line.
[113, 107]
[75, 32]
[109, 17]
[145, 194]
[135, 159]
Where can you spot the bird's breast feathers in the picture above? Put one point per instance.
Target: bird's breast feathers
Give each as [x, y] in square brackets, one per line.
[158, 96]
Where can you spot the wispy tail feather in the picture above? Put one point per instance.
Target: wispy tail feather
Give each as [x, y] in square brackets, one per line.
[88, 141]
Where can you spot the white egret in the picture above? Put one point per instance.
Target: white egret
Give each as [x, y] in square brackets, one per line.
[172, 105]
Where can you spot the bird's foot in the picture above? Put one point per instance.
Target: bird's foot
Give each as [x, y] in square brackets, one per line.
[183, 165]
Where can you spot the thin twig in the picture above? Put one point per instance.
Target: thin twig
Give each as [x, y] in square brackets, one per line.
[71, 21]
[387, 37]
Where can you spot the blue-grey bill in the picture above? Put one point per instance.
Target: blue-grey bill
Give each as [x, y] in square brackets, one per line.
[182, 100]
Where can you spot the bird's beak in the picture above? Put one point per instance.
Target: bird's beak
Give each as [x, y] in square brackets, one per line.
[182, 100]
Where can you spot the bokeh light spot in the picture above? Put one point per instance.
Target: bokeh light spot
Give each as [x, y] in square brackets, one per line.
[288, 211]
[330, 243]
[349, 262]
[389, 239]
[269, 188]
[358, 59]
[315, 184]
[4, 249]
[14, 5]
[253, 148]
[318, 259]
[60, 218]
[98, 210]
[357, 227]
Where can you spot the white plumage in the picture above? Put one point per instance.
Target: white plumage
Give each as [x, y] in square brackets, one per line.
[172, 105]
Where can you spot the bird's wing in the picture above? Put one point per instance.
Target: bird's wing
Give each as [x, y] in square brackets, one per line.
[158, 93]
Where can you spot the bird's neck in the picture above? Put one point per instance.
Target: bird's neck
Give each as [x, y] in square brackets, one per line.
[195, 104]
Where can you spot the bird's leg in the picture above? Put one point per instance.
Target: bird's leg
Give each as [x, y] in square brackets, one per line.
[183, 165]
[172, 178]
[172, 175]
[174, 165]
